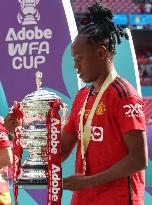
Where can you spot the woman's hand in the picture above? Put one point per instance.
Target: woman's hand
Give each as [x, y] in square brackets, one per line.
[10, 122]
[78, 182]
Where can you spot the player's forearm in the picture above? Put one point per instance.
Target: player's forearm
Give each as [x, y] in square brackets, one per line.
[123, 168]
[6, 158]
[68, 143]
[65, 152]
[5, 162]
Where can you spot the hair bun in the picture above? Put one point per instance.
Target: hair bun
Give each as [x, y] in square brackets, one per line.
[100, 13]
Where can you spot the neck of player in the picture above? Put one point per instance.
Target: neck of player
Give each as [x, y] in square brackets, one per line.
[101, 79]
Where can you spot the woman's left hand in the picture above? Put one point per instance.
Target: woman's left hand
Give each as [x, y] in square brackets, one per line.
[78, 182]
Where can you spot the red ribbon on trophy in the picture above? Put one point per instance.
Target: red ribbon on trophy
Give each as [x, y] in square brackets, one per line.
[53, 123]
[17, 149]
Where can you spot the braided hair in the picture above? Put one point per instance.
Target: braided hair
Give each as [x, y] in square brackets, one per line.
[97, 24]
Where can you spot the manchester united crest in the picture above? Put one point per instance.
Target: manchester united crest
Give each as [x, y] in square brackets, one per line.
[100, 109]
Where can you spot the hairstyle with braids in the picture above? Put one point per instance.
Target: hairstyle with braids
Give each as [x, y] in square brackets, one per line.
[97, 24]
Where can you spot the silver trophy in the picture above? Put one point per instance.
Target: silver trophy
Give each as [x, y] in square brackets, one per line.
[29, 14]
[34, 107]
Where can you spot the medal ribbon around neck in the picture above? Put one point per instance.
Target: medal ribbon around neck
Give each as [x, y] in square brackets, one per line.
[86, 129]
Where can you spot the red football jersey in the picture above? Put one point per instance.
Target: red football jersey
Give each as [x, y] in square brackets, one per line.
[4, 140]
[4, 189]
[119, 111]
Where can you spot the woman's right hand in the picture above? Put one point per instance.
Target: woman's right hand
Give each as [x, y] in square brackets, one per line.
[11, 122]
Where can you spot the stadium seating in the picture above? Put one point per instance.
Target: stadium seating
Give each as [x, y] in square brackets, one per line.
[148, 108]
[123, 6]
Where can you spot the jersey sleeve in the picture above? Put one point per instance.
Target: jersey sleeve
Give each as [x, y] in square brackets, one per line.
[4, 139]
[130, 114]
[70, 126]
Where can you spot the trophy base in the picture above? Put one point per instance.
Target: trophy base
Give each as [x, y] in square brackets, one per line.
[36, 166]
[32, 177]
[31, 182]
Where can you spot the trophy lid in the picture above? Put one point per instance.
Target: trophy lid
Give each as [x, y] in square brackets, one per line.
[41, 94]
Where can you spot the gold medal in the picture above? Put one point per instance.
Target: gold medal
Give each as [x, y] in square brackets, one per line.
[86, 129]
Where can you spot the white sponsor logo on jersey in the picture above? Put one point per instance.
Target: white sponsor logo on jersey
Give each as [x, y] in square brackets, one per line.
[133, 110]
[96, 134]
